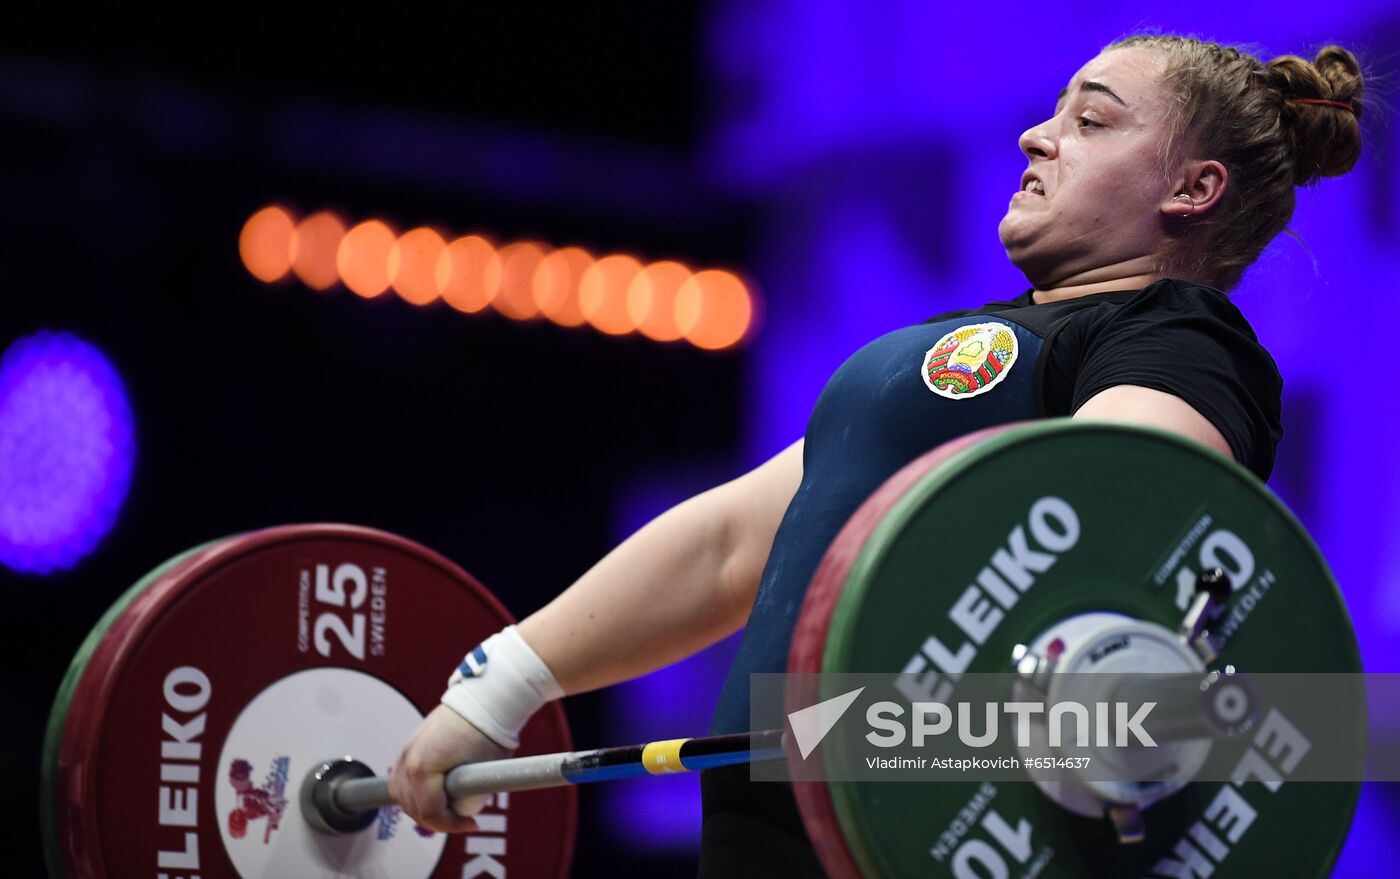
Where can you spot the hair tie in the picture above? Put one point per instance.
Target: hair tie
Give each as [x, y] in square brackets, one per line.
[1348, 107]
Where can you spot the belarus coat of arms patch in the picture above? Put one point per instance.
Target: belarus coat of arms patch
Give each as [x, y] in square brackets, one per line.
[970, 360]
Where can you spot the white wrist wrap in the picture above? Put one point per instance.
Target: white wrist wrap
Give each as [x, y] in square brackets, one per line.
[499, 685]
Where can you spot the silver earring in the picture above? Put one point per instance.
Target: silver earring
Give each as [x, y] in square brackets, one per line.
[1181, 195]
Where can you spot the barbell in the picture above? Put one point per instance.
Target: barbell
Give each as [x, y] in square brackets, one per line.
[235, 712]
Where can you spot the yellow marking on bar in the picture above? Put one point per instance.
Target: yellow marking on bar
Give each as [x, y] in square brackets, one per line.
[663, 758]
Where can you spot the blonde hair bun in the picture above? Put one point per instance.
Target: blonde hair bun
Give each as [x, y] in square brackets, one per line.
[1326, 139]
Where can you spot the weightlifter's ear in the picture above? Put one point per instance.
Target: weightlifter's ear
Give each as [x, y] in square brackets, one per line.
[1198, 190]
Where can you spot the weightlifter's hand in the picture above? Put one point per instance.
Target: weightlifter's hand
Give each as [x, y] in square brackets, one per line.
[441, 742]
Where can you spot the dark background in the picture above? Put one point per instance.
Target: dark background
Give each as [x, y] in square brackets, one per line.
[495, 442]
[849, 158]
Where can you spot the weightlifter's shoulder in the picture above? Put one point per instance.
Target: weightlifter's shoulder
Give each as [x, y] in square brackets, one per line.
[1192, 315]
[1175, 297]
[1190, 341]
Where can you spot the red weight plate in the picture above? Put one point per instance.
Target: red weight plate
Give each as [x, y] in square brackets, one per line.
[54, 856]
[810, 635]
[199, 712]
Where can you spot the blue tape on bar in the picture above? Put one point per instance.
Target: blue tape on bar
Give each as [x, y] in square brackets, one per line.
[710, 761]
[731, 758]
[605, 773]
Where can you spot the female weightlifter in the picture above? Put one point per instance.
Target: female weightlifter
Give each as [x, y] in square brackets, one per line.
[1167, 167]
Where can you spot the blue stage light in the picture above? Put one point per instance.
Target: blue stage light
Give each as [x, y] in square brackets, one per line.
[66, 451]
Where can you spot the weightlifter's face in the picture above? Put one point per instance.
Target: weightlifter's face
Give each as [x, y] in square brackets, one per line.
[1099, 158]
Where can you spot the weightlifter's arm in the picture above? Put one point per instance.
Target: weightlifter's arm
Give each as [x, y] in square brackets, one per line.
[681, 583]
[1140, 405]
[685, 580]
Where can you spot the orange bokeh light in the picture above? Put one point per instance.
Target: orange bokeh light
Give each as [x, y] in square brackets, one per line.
[651, 299]
[602, 293]
[265, 244]
[714, 310]
[616, 294]
[314, 246]
[556, 285]
[412, 265]
[468, 274]
[363, 258]
[518, 263]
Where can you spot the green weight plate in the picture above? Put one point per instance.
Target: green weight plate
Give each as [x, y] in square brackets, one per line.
[1151, 511]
